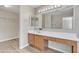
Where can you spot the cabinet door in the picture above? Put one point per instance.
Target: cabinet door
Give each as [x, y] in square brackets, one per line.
[40, 42]
[31, 39]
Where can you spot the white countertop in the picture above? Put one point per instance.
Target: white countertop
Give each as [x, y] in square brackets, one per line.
[68, 36]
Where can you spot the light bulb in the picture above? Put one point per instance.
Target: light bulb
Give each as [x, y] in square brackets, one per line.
[46, 9]
[55, 6]
[52, 7]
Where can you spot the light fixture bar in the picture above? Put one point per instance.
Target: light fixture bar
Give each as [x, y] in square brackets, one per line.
[49, 8]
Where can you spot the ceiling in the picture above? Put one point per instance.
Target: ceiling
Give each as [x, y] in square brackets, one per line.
[15, 8]
[35, 6]
[12, 8]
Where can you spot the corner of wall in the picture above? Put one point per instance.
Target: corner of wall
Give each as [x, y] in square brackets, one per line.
[21, 47]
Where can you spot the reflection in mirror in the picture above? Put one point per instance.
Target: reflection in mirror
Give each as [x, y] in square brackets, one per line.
[60, 19]
[46, 20]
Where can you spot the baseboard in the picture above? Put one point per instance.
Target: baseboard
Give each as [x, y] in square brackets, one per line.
[9, 39]
[57, 49]
[23, 46]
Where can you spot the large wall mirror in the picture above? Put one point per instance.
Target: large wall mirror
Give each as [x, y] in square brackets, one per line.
[59, 19]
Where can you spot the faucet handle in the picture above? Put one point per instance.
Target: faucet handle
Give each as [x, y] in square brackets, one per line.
[40, 28]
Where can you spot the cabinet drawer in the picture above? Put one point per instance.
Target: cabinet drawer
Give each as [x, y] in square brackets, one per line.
[51, 39]
[41, 36]
[60, 40]
[64, 41]
[68, 42]
[39, 42]
[31, 39]
[74, 43]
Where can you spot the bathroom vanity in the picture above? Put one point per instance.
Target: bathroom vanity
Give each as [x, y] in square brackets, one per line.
[59, 20]
[39, 40]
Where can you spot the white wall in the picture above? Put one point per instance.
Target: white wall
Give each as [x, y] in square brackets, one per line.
[9, 25]
[25, 12]
[77, 25]
[78, 47]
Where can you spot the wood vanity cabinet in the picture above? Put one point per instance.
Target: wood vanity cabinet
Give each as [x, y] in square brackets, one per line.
[37, 41]
[63, 41]
[41, 42]
[31, 39]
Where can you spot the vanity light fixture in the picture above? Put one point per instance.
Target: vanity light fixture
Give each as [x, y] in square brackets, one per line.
[46, 9]
[58, 5]
[52, 7]
[49, 8]
[39, 11]
[55, 6]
